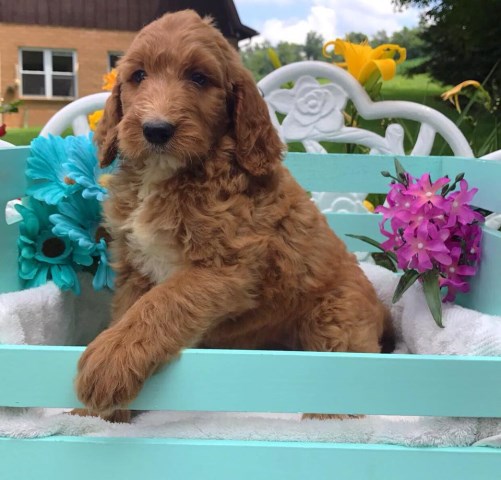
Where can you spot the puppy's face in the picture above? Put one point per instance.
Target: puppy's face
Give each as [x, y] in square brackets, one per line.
[180, 87]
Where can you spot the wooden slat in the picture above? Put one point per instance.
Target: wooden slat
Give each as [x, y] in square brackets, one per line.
[12, 185]
[362, 173]
[359, 224]
[353, 173]
[61, 458]
[482, 174]
[12, 176]
[485, 289]
[220, 380]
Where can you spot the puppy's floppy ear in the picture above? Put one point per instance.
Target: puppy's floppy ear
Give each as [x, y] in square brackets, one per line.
[258, 147]
[106, 136]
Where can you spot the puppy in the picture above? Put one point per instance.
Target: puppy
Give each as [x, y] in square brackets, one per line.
[215, 245]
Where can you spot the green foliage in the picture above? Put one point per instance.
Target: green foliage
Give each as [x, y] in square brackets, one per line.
[410, 38]
[21, 136]
[11, 107]
[356, 37]
[289, 52]
[255, 58]
[24, 136]
[313, 46]
[461, 40]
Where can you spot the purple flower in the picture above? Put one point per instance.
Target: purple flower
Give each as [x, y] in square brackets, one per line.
[454, 285]
[424, 191]
[429, 228]
[459, 208]
[421, 247]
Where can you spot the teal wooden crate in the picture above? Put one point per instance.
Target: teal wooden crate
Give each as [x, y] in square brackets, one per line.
[34, 376]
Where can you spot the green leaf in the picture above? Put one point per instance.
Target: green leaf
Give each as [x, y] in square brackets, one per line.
[401, 173]
[406, 280]
[432, 294]
[372, 242]
[372, 81]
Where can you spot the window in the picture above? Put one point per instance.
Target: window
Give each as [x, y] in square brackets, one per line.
[113, 58]
[47, 73]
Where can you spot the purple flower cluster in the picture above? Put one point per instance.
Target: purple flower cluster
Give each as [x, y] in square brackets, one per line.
[433, 227]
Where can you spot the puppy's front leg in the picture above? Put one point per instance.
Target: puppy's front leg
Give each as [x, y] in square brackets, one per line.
[171, 316]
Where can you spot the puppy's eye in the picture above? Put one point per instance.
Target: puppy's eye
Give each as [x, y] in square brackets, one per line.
[138, 76]
[198, 78]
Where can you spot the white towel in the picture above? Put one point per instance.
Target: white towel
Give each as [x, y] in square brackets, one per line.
[45, 315]
[48, 316]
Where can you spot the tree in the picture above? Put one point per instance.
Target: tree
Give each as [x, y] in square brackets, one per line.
[313, 46]
[289, 52]
[356, 37]
[410, 38]
[461, 39]
[379, 38]
[255, 58]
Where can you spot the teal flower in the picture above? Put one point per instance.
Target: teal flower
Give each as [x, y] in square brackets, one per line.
[42, 254]
[45, 167]
[83, 168]
[79, 220]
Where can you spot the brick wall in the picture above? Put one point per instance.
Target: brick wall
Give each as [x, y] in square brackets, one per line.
[91, 46]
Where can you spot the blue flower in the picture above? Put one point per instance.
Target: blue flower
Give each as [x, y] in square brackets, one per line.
[83, 167]
[42, 254]
[45, 166]
[79, 220]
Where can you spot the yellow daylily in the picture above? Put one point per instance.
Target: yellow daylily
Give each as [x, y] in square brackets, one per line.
[94, 118]
[275, 61]
[361, 60]
[109, 80]
[368, 205]
[453, 94]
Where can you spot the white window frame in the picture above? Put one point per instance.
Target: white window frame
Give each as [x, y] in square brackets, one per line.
[48, 73]
[116, 53]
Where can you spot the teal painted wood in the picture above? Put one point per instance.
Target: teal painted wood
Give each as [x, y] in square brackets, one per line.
[359, 224]
[353, 173]
[63, 458]
[259, 381]
[482, 174]
[485, 292]
[12, 185]
[362, 173]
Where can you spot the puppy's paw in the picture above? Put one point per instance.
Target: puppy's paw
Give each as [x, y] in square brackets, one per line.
[107, 377]
[118, 416]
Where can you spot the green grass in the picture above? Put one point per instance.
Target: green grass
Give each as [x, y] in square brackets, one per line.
[422, 89]
[24, 136]
[21, 136]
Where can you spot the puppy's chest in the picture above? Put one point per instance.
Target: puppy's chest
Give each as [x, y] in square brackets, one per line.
[152, 248]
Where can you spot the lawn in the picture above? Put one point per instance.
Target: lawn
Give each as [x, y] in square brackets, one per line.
[21, 136]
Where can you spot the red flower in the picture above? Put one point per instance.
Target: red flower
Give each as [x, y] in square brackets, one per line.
[3, 130]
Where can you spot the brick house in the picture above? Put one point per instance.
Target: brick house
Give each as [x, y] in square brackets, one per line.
[53, 51]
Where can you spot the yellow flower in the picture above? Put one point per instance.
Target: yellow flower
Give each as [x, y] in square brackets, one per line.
[94, 118]
[453, 94]
[368, 205]
[109, 80]
[361, 60]
[275, 61]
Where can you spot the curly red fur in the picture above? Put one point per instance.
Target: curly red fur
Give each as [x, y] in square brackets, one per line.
[214, 243]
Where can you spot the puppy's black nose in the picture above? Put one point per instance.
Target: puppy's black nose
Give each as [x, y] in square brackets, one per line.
[158, 132]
